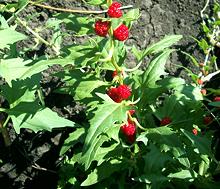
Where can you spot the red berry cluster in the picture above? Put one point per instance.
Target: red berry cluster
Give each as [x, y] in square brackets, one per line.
[101, 28]
[121, 33]
[114, 10]
[122, 92]
[129, 130]
[216, 99]
[165, 121]
[195, 131]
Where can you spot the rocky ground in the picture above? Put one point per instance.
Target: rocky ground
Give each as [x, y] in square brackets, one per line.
[33, 159]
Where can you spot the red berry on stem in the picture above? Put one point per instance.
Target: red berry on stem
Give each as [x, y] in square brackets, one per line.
[203, 91]
[200, 82]
[216, 99]
[114, 10]
[122, 92]
[115, 73]
[132, 112]
[195, 131]
[101, 28]
[207, 120]
[121, 33]
[114, 95]
[129, 130]
[165, 121]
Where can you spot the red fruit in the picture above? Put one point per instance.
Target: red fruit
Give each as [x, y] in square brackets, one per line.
[207, 120]
[131, 112]
[129, 130]
[195, 131]
[122, 92]
[165, 121]
[114, 10]
[101, 28]
[199, 81]
[203, 91]
[115, 73]
[216, 99]
[121, 33]
[113, 93]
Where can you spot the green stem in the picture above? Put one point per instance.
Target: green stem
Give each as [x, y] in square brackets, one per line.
[114, 63]
[15, 14]
[33, 32]
[37, 35]
[2, 109]
[5, 135]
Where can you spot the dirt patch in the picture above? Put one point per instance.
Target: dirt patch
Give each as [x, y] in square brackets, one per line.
[32, 161]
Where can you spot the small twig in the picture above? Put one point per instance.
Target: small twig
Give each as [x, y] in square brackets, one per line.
[37, 35]
[36, 166]
[204, 8]
[75, 10]
[33, 32]
[5, 134]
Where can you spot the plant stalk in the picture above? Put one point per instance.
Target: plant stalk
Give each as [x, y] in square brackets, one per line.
[75, 10]
[5, 135]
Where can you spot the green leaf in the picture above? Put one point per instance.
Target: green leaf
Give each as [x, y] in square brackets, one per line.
[160, 158]
[149, 78]
[10, 36]
[166, 42]
[12, 69]
[163, 135]
[150, 178]
[203, 44]
[75, 137]
[81, 25]
[21, 90]
[104, 118]
[215, 104]
[202, 144]
[31, 115]
[180, 154]
[132, 15]
[104, 171]
[155, 69]
[78, 84]
[95, 2]
[194, 61]
[171, 82]
[183, 174]
[189, 91]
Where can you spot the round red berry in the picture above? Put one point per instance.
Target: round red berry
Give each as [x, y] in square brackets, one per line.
[200, 82]
[114, 95]
[207, 120]
[122, 92]
[129, 130]
[203, 91]
[165, 121]
[132, 112]
[216, 99]
[114, 74]
[195, 131]
[114, 10]
[121, 33]
[101, 28]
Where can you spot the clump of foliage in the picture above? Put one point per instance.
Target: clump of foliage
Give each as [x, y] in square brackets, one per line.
[144, 127]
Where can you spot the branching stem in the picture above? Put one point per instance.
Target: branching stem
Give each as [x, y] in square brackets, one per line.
[75, 10]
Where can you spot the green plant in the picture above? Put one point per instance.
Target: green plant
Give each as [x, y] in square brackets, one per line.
[144, 128]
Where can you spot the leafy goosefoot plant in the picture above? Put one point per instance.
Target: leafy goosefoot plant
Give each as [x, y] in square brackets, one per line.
[160, 156]
[157, 156]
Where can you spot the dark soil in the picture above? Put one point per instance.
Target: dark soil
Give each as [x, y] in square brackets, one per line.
[32, 161]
